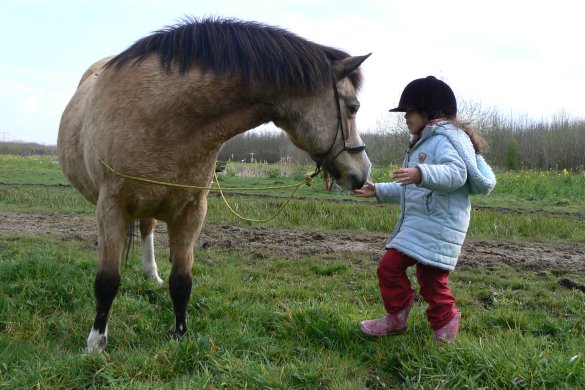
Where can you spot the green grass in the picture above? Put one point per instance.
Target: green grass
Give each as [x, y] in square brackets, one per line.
[551, 191]
[31, 170]
[276, 323]
[43, 199]
[531, 190]
[280, 323]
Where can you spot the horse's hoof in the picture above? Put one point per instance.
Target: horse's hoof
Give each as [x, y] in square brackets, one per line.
[178, 332]
[155, 278]
[96, 342]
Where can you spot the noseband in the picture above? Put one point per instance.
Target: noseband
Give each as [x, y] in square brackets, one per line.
[340, 129]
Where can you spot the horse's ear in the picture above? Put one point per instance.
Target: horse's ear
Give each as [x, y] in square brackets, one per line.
[344, 67]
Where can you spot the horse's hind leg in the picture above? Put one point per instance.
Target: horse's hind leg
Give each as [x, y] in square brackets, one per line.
[149, 267]
[182, 235]
[112, 229]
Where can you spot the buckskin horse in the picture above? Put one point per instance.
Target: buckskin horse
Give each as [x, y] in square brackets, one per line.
[162, 109]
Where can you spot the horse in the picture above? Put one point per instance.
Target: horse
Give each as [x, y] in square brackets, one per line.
[162, 109]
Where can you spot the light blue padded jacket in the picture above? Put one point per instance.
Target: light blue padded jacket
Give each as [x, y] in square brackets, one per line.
[434, 215]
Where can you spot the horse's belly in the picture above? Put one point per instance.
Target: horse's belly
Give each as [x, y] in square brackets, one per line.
[162, 204]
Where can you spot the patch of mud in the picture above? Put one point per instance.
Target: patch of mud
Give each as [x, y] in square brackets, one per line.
[301, 244]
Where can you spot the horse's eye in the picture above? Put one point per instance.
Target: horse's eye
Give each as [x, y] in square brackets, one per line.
[353, 108]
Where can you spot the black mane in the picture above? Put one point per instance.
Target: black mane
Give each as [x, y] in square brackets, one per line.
[257, 52]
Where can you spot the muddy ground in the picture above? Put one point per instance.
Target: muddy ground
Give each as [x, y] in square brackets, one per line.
[260, 242]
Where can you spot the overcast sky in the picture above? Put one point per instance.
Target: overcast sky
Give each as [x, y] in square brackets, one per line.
[525, 58]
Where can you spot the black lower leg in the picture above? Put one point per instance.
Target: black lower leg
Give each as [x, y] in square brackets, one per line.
[105, 288]
[180, 289]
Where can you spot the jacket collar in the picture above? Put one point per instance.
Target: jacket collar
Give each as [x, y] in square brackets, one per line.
[426, 132]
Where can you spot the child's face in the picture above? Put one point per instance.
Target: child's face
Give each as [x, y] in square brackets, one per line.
[415, 121]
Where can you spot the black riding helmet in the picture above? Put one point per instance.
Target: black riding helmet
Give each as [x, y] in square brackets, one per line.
[429, 95]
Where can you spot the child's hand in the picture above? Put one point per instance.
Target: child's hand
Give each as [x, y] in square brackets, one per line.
[406, 176]
[367, 191]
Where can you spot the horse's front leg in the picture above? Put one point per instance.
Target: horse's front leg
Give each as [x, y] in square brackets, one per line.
[112, 229]
[183, 232]
[149, 267]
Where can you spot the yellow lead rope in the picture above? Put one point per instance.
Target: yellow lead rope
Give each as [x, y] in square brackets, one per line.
[275, 214]
[308, 180]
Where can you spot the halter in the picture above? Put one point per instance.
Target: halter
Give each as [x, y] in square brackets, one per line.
[346, 147]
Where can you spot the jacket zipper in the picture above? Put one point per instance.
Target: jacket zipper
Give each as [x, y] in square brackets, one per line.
[402, 199]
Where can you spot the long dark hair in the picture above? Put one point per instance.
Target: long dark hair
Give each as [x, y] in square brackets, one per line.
[479, 143]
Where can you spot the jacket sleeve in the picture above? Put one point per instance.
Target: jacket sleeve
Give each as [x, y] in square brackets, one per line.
[388, 192]
[449, 172]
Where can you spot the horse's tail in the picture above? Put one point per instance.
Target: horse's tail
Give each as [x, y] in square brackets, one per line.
[130, 240]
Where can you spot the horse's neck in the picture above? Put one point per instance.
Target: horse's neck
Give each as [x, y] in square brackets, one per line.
[217, 108]
[231, 109]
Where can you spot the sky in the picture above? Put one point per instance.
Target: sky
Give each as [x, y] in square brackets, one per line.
[523, 58]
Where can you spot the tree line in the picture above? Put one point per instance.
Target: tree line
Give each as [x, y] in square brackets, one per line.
[27, 149]
[514, 143]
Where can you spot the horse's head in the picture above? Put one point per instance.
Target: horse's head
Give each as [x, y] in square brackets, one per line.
[324, 125]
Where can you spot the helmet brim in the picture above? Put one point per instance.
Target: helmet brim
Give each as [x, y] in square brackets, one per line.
[399, 109]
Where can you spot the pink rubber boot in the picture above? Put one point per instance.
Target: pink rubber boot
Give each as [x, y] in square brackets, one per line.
[448, 333]
[390, 324]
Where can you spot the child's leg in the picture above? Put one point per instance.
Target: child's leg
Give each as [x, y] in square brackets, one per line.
[397, 295]
[395, 287]
[434, 287]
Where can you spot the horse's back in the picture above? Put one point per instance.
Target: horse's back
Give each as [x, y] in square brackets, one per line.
[71, 140]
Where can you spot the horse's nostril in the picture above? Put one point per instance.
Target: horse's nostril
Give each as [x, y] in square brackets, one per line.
[356, 181]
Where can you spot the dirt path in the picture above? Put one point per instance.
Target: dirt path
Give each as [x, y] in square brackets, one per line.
[299, 244]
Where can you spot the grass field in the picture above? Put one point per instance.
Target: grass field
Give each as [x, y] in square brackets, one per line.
[281, 323]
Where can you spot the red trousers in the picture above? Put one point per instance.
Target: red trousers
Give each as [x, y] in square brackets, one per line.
[397, 291]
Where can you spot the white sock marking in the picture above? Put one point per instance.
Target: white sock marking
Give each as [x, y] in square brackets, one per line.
[149, 267]
[97, 341]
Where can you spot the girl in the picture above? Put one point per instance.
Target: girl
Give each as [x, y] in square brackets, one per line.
[443, 166]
